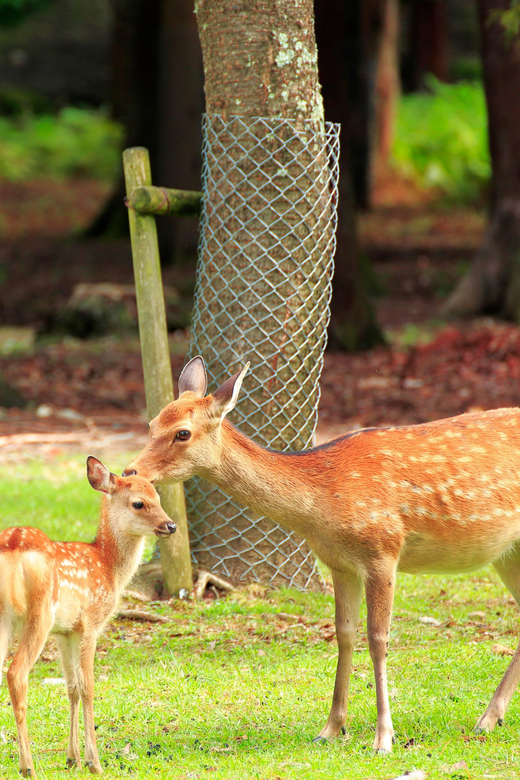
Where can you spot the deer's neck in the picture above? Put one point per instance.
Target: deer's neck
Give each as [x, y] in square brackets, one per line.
[279, 485]
[120, 552]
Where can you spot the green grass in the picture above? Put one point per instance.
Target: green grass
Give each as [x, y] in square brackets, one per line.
[237, 688]
[77, 142]
[441, 139]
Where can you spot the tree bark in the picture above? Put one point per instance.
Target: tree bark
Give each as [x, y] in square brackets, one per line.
[157, 93]
[428, 42]
[387, 86]
[492, 286]
[260, 60]
[353, 322]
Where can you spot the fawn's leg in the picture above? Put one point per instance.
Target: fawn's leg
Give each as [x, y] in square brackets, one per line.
[379, 587]
[508, 569]
[348, 590]
[38, 624]
[86, 687]
[5, 631]
[69, 651]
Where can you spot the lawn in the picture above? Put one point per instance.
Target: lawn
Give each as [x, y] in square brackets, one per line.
[238, 687]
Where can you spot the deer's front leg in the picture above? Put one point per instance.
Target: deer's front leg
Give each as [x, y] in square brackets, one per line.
[86, 680]
[69, 651]
[379, 587]
[348, 590]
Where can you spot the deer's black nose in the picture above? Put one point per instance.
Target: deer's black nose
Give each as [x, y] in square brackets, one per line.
[129, 473]
[171, 527]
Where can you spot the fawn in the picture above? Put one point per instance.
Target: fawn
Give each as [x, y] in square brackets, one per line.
[438, 497]
[70, 590]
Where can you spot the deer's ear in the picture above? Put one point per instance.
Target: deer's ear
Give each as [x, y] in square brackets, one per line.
[194, 378]
[99, 476]
[225, 398]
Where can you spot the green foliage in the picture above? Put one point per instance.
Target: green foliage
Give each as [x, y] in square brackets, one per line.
[441, 139]
[12, 12]
[77, 142]
[509, 19]
[18, 102]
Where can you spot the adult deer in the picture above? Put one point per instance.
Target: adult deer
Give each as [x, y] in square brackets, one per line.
[438, 497]
[70, 590]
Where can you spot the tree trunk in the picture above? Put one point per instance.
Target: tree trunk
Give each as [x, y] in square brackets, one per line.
[178, 116]
[134, 65]
[429, 41]
[260, 61]
[387, 86]
[353, 323]
[157, 93]
[492, 285]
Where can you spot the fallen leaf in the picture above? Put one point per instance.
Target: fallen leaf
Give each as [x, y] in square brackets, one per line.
[502, 650]
[429, 621]
[459, 766]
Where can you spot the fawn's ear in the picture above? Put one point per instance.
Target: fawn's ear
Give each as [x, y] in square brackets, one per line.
[99, 476]
[194, 378]
[225, 398]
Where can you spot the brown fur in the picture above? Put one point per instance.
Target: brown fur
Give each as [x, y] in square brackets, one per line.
[443, 496]
[70, 590]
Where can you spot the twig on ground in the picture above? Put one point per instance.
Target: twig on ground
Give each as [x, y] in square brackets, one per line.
[139, 614]
[206, 578]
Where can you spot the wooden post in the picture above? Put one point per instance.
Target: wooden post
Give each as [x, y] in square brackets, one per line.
[174, 551]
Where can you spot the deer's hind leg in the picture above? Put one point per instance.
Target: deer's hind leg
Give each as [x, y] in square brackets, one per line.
[508, 569]
[5, 632]
[37, 626]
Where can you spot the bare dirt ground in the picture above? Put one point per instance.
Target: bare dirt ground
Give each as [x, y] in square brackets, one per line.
[86, 394]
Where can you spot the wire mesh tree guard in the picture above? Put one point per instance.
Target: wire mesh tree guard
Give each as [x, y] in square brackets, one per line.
[263, 291]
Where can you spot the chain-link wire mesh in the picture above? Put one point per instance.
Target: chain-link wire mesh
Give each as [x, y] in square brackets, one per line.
[263, 292]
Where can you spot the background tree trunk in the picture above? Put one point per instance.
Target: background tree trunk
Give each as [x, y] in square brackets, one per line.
[256, 286]
[157, 94]
[492, 285]
[427, 42]
[387, 86]
[353, 323]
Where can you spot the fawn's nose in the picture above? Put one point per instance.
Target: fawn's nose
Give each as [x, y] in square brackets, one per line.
[171, 527]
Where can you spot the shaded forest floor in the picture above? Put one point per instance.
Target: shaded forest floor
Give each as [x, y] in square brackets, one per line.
[90, 393]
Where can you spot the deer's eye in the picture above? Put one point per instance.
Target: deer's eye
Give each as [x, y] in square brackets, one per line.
[137, 504]
[183, 435]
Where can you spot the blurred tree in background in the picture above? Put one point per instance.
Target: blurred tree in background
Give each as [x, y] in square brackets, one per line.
[493, 284]
[157, 95]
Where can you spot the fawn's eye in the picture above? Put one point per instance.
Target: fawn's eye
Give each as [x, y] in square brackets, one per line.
[183, 435]
[137, 504]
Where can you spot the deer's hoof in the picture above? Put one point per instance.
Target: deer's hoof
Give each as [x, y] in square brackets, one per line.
[484, 727]
[93, 768]
[27, 772]
[70, 762]
[319, 740]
